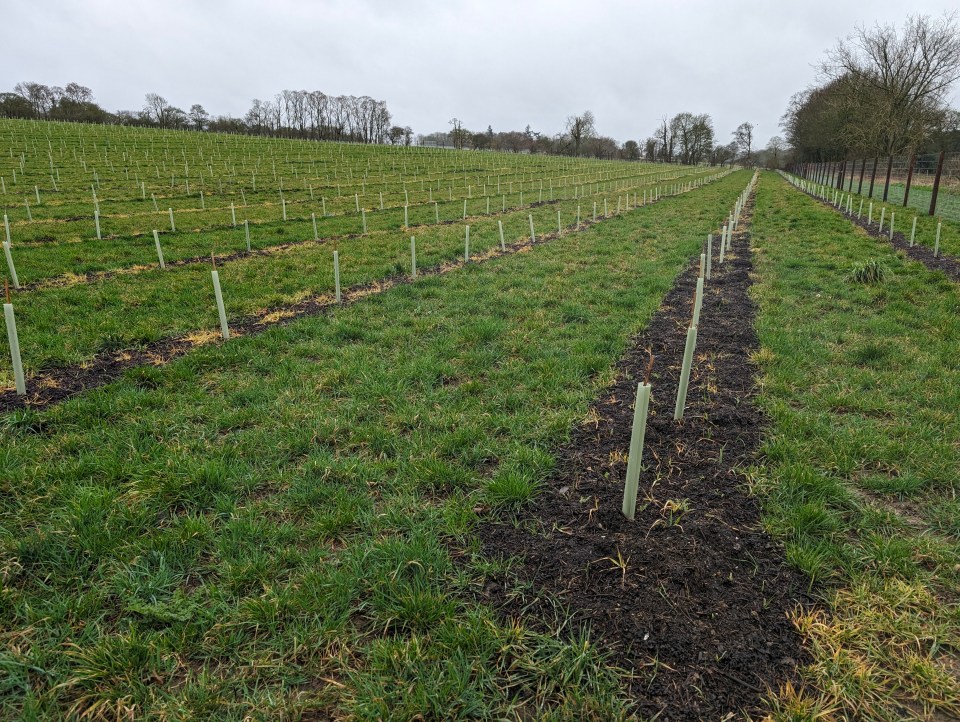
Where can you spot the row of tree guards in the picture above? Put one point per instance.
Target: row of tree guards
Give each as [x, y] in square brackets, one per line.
[655, 195]
[844, 201]
[895, 174]
[642, 405]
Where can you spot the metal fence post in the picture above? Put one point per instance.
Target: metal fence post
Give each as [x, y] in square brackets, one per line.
[906, 192]
[936, 185]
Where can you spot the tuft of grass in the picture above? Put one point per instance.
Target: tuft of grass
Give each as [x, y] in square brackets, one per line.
[869, 272]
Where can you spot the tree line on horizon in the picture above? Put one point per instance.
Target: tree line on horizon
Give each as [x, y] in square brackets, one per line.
[685, 138]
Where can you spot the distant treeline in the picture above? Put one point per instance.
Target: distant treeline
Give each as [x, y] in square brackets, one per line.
[292, 113]
[685, 138]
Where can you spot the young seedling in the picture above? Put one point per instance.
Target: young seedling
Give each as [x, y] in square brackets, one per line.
[637, 434]
[533, 236]
[413, 257]
[697, 301]
[685, 372]
[466, 246]
[336, 275]
[913, 231]
[503, 244]
[709, 255]
[156, 242]
[14, 342]
[936, 245]
[9, 254]
[218, 294]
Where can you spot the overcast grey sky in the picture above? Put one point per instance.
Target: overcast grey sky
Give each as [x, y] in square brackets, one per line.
[505, 63]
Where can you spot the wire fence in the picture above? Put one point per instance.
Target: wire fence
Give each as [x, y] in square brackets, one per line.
[928, 182]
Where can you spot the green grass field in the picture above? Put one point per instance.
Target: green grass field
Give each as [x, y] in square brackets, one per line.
[860, 469]
[284, 525]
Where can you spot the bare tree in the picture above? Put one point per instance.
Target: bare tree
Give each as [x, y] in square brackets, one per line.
[78, 93]
[897, 83]
[198, 116]
[458, 133]
[580, 128]
[775, 147]
[157, 109]
[41, 97]
[743, 137]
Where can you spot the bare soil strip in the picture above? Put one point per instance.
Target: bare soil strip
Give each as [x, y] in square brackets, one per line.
[693, 599]
[924, 254]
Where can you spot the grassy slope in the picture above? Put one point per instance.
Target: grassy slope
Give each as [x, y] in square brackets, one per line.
[62, 326]
[863, 462]
[259, 527]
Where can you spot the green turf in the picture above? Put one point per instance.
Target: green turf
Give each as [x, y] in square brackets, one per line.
[861, 466]
[267, 527]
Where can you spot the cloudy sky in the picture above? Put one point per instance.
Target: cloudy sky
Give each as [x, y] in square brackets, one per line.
[505, 63]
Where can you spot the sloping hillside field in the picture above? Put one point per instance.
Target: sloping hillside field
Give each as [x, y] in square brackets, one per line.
[386, 480]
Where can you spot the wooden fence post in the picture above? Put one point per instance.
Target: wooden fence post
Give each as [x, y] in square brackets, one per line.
[886, 185]
[936, 185]
[906, 192]
[863, 167]
[873, 174]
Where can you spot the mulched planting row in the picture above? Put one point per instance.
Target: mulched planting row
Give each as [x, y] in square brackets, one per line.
[693, 599]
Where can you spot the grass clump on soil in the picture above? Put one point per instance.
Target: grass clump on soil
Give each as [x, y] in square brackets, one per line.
[263, 527]
[860, 471]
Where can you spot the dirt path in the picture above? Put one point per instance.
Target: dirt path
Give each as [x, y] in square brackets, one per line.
[692, 598]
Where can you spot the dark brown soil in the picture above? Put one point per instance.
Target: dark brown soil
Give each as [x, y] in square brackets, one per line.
[694, 604]
[946, 263]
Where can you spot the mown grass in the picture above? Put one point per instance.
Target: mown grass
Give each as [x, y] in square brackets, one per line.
[136, 175]
[67, 325]
[862, 464]
[262, 528]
